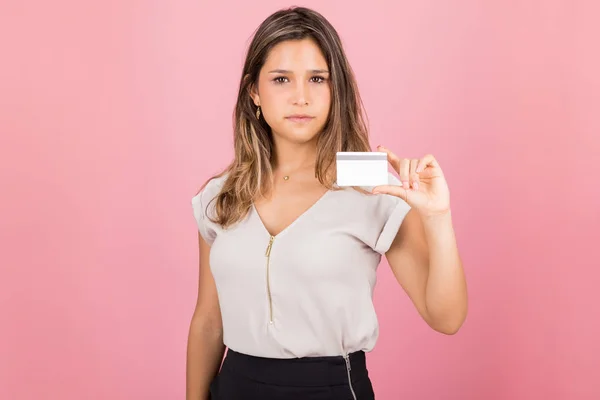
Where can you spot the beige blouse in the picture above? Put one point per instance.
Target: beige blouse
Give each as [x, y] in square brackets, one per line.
[308, 290]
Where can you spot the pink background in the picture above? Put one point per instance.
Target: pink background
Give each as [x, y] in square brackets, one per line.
[113, 113]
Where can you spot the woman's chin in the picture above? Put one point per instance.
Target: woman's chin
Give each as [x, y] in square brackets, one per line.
[299, 139]
[299, 134]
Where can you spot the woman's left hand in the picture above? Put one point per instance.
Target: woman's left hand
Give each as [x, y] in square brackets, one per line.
[423, 184]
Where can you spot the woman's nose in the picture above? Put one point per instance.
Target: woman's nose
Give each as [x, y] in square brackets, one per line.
[300, 94]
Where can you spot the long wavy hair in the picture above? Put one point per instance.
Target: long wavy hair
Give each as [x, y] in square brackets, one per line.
[250, 174]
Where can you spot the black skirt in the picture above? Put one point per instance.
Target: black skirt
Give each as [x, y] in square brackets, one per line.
[247, 377]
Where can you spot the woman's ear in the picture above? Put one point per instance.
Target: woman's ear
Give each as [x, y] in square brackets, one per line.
[253, 92]
[255, 96]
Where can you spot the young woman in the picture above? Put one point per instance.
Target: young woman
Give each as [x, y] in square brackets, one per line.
[287, 258]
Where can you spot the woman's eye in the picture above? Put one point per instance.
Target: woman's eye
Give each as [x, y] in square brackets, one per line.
[314, 79]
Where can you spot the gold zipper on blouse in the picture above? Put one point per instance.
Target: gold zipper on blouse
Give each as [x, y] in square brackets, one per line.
[268, 255]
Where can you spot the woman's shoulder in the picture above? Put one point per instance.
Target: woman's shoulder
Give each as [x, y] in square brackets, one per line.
[213, 186]
[380, 215]
[203, 207]
[209, 190]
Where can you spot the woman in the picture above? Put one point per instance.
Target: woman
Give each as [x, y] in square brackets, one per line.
[287, 258]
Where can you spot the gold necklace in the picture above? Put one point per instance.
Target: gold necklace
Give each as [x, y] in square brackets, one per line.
[287, 177]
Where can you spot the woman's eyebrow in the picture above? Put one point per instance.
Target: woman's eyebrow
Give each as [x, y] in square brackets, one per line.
[285, 71]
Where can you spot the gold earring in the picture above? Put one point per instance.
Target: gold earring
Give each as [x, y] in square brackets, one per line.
[258, 113]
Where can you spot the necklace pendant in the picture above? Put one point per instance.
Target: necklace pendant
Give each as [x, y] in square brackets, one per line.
[285, 178]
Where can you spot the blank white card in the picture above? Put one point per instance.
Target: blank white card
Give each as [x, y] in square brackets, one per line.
[356, 168]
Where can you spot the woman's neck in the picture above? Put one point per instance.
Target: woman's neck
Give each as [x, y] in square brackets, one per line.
[293, 157]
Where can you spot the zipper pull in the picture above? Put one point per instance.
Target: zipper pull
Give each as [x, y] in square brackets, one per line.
[347, 362]
[268, 252]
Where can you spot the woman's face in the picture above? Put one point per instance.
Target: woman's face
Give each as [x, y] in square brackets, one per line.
[294, 90]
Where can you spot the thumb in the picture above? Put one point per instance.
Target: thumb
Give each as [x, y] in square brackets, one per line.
[392, 190]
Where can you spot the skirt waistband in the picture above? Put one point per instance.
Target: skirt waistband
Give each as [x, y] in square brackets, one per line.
[302, 372]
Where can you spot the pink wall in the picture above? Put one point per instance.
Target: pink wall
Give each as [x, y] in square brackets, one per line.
[113, 113]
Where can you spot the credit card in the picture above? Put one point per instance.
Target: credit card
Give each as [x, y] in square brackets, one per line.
[355, 168]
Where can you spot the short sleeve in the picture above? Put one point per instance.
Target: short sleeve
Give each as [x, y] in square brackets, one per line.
[207, 228]
[389, 215]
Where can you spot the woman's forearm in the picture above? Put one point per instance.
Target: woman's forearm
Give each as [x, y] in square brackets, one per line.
[446, 290]
[205, 351]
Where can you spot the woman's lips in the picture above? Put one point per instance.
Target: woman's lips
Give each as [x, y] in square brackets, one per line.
[300, 118]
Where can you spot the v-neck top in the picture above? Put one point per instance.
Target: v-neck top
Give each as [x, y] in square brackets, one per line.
[308, 291]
